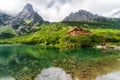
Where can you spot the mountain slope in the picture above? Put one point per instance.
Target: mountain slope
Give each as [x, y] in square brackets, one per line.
[4, 19]
[28, 14]
[26, 20]
[81, 15]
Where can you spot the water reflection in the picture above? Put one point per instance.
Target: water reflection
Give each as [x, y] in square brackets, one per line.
[24, 62]
[10, 52]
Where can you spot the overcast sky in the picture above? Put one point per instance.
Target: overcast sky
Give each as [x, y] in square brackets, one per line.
[57, 10]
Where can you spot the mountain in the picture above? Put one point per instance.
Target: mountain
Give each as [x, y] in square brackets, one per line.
[28, 14]
[85, 18]
[81, 15]
[26, 20]
[4, 19]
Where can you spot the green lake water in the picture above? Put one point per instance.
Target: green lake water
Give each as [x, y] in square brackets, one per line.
[24, 62]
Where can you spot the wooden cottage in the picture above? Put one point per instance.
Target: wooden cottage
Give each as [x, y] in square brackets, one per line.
[77, 31]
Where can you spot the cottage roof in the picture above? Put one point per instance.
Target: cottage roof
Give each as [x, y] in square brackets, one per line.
[78, 28]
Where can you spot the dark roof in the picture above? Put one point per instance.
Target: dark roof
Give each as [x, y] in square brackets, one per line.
[78, 28]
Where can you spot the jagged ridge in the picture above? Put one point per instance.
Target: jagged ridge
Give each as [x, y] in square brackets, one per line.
[81, 15]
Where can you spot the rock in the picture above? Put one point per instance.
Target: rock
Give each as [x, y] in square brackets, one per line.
[81, 15]
[27, 17]
[25, 22]
[4, 19]
[111, 76]
[7, 78]
[53, 73]
[28, 14]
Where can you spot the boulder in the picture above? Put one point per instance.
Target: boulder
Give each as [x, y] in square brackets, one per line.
[7, 78]
[53, 73]
[111, 76]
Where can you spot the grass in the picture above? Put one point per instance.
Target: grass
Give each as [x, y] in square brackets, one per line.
[7, 29]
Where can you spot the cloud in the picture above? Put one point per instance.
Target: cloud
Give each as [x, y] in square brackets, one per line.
[103, 6]
[10, 5]
[57, 10]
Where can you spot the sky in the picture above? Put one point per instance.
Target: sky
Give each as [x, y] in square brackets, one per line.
[57, 10]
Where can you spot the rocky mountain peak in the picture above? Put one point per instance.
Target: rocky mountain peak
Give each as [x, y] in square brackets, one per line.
[28, 13]
[28, 8]
[84, 11]
[81, 15]
[26, 18]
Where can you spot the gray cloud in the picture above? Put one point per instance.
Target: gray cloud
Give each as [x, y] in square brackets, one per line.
[51, 4]
[56, 10]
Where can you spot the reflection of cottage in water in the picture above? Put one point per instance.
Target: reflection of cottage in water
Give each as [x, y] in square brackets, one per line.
[77, 31]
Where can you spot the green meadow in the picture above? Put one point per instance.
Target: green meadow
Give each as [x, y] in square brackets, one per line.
[54, 34]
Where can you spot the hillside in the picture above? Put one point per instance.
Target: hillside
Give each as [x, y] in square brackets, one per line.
[4, 19]
[54, 35]
[26, 20]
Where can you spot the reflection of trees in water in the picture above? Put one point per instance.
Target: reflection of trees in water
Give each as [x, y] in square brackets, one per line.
[7, 53]
[21, 60]
[26, 61]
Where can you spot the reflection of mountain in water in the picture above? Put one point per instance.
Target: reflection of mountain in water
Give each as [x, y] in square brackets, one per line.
[24, 62]
[13, 52]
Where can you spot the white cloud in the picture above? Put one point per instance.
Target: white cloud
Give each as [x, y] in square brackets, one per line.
[57, 10]
[10, 6]
[111, 12]
[103, 6]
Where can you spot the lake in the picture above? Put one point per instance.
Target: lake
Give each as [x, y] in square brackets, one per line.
[24, 62]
